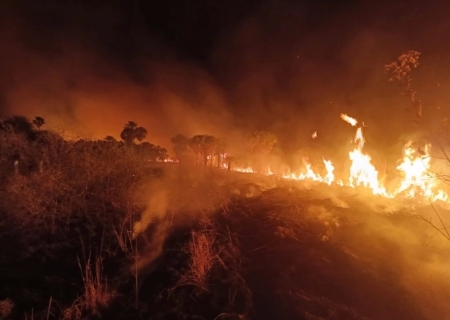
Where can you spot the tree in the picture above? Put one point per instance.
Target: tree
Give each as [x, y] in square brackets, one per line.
[221, 149]
[400, 70]
[204, 145]
[17, 124]
[260, 144]
[38, 122]
[110, 139]
[132, 131]
[180, 145]
[151, 152]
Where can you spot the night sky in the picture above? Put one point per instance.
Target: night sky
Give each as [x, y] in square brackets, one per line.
[222, 67]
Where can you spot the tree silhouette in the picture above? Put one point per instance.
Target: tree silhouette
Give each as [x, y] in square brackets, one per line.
[18, 124]
[131, 132]
[260, 144]
[221, 149]
[38, 122]
[110, 139]
[204, 145]
[180, 146]
[152, 153]
[195, 143]
[401, 70]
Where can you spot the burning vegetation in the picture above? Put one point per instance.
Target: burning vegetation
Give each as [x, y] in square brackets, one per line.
[255, 182]
[223, 229]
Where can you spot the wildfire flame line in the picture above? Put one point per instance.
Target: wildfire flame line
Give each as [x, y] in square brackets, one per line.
[418, 181]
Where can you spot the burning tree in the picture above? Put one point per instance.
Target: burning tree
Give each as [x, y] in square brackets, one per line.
[260, 144]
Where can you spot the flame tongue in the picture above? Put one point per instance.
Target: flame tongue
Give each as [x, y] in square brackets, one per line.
[362, 172]
[348, 119]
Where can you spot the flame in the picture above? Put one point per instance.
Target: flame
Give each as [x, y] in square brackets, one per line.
[314, 135]
[417, 179]
[311, 175]
[167, 160]
[362, 172]
[348, 119]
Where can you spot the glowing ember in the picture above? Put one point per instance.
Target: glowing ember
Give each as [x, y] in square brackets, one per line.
[314, 135]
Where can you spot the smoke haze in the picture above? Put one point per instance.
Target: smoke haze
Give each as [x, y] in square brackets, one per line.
[275, 65]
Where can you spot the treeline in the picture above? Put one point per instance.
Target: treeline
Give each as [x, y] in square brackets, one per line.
[251, 152]
[221, 152]
[26, 147]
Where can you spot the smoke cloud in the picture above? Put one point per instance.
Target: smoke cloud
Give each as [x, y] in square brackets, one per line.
[291, 68]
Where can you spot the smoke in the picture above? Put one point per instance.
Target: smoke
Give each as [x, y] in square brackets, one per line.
[79, 72]
[395, 242]
[287, 67]
[156, 209]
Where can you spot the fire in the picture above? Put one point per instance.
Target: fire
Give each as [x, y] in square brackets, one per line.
[362, 172]
[167, 160]
[417, 179]
[348, 119]
[311, 175]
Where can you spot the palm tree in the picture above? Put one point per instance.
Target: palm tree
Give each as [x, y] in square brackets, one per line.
[204, 145]
[39, 122]
[132, 131]
[180, 146]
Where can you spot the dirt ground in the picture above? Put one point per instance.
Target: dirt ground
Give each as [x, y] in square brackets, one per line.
[213, 244]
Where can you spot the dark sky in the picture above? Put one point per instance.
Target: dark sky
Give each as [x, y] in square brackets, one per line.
[221, 66]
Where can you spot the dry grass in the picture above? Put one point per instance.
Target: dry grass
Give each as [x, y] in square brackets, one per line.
[96, 293]
[203, 256]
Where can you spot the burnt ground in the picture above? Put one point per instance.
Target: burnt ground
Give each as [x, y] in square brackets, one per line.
[235, 246]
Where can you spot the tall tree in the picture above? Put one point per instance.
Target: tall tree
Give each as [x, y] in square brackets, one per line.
[132, 131]
[38, 122]
[221, 149]
[203, 145]
[260, 144]
[180, 146]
